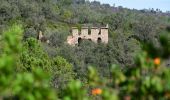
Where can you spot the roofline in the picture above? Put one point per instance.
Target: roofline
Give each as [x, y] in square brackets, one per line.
[104, 27]
[75, 27]
[90, 28]
[94, 27]
[84, 28]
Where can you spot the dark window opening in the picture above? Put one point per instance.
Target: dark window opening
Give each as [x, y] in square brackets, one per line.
[89, 39]
[99, 40]
[100, 32]
[89, 31]
[70, 31]
[79, 40]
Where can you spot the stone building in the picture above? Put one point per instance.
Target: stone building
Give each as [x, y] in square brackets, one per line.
[42, 38]
[94, 34]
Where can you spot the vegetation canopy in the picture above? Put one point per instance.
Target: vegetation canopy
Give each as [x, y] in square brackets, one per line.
[133, 65]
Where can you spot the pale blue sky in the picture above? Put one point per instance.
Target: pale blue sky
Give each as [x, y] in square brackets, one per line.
[164, 5]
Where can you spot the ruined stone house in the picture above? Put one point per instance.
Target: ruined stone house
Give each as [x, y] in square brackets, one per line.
[42, 38]
[94, 34]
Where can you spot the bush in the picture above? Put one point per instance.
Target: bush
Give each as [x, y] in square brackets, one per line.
[20, 85]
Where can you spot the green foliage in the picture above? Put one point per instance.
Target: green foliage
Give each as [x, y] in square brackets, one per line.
[33, 56]
[148, 80]
[58, 38]
[29, 68]
[74, 91]
[20, 85]
[33, 86]
[54, 17]
[8, 58]
[67, 14]
[162, 50]
[62, 72]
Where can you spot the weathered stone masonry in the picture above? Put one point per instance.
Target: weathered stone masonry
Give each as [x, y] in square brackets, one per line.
[94, 34]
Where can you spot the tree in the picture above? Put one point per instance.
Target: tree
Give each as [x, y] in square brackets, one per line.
[20, 85]
[33, 56]
[62, 73]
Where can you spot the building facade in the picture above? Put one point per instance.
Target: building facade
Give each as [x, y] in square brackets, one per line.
[94, 34]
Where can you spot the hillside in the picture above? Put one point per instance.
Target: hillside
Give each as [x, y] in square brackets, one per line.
[129, 30]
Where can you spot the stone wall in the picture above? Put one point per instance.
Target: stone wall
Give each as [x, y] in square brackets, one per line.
[94, 34]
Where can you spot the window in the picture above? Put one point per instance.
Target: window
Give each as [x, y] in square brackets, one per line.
[89, 39]
[89, 31]
[99, 32]
[79, 40]
[99, 40]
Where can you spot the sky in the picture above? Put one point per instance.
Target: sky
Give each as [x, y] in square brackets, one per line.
[164, 5]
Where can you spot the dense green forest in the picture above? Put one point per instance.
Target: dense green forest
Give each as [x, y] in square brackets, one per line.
[130, 66]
